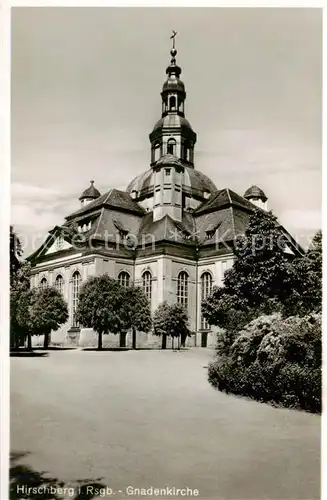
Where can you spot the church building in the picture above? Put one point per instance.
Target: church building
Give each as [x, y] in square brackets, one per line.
[171, 231]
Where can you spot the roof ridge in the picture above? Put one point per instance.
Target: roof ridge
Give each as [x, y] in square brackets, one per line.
[100, 217]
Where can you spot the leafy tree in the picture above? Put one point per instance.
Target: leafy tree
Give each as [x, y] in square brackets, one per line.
[259, 280]
[306, 294]
[19, 284]
[100, 306]
[48, 312]
[25, 302]
[16, 252]
[137, 312]
[170, 320]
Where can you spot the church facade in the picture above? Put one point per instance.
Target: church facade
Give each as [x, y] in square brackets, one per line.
[171, 231]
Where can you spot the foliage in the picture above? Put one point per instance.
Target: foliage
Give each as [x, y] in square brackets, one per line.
[19, 284]
[274, 359]
[171, 320]
[101, 306]
[306, 293]
[24, 311]
[265, 279]
[16, 251]
[136, 309]
[48, 312]
[259, 279]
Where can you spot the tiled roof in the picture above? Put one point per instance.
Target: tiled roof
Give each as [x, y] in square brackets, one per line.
[255, 192]
[223, 198]
[113, 198]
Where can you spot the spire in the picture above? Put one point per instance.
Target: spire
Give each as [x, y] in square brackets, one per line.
[173, 134]
[173, 69]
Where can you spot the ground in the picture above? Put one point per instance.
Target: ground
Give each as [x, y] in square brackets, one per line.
[150, 418]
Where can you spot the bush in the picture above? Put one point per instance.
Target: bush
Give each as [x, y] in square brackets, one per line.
[273, 360]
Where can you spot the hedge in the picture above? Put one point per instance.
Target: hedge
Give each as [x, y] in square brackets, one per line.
[272, 360]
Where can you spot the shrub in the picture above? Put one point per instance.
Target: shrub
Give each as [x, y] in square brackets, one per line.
[274, 360]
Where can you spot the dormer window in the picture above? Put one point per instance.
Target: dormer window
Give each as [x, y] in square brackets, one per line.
[84, 226]
[211, 230]
[123, 232]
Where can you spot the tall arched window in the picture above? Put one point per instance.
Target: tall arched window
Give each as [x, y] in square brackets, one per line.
[156, 151]
[206, 288]
[182, 289]
[59, 283]
[124, 278]
[172, 103]
[76, 282]
[171, 146]
[147, 285]
[43, 283]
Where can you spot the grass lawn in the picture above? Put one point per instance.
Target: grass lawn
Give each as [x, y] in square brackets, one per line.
[150, 418]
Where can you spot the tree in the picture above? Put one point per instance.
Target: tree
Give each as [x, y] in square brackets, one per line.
[170, 320]
[19, 283]
[100, 306]
[137, 312]
[306, 294]
[260, 279]
[48, 312]
[25, 302]
[16, 252]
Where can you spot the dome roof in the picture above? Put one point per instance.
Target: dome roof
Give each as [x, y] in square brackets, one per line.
[255, 192]
[169, 159]
[194, 180]
[172, 121]
[173, 84]
[90, 193]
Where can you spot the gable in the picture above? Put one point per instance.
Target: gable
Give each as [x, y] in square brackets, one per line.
[58, 245]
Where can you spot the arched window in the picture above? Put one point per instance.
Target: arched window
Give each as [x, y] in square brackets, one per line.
[147, 284]
[76, 282]
[156, 151]
[185, 151]
[206, 288]
[124, 278]
[172, 103]
[171, 146]
[182, 289]
[43, 283]
[59, 283]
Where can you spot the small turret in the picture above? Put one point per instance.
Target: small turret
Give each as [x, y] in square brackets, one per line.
[90, 194]
[256, 196]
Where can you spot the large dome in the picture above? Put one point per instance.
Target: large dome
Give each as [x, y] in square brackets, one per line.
[195, 182]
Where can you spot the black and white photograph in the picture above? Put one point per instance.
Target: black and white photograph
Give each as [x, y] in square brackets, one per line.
[165, 253]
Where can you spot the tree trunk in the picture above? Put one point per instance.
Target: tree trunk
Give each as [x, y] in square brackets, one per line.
[164, 342]
[99, 340]
[46, 340]
[173, 343]
[122, 339]
[29, 341]
[133, 337]
[179, 343]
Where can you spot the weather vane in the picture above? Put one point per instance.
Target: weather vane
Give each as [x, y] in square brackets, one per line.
[173, 38]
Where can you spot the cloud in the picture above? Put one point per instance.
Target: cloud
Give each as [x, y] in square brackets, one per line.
[35, 210]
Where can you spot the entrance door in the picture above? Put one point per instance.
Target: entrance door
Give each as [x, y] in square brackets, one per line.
[204, 339]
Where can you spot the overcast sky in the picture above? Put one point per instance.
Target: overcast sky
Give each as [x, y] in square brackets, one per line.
[86, 88]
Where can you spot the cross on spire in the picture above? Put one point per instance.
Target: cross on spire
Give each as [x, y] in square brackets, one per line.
[173, 38]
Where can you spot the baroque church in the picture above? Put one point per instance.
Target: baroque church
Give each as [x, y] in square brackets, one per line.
[171, 231]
